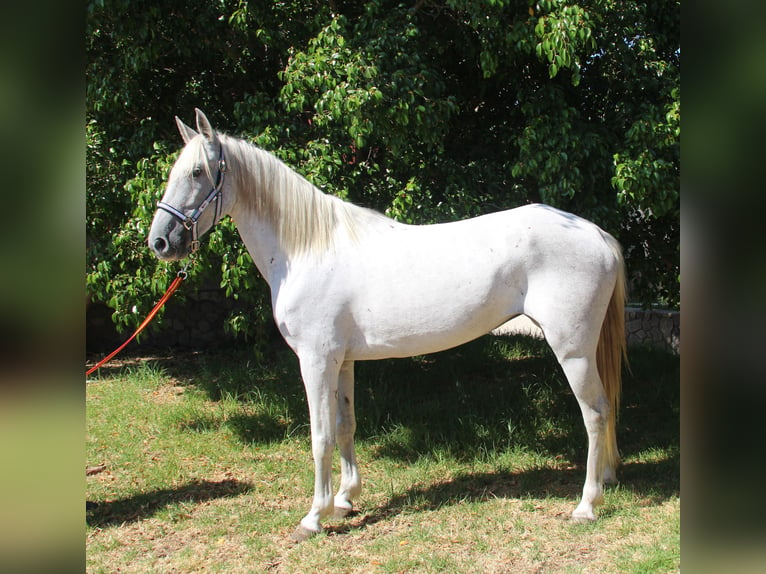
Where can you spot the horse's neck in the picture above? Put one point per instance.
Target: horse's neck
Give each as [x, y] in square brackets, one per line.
[290, 218]
[276, 211]
[263, 245]
[258, 235]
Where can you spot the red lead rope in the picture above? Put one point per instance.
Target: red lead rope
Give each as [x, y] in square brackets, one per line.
[173, 286]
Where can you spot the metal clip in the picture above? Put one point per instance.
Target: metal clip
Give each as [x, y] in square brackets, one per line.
[182, 273]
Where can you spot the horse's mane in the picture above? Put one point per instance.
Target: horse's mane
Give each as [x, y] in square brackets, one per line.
[304, 218]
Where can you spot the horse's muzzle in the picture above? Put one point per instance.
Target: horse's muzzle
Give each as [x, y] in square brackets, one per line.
[169, 240]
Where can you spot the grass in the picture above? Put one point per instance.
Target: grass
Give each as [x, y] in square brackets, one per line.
[472, 461]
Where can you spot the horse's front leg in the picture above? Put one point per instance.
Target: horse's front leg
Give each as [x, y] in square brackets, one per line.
[350, 483]
[320, 377]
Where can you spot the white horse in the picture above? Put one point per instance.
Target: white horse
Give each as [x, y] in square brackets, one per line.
[349, 284]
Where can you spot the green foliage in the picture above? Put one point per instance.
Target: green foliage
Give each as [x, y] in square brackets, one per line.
[565, 34]
[429, 111]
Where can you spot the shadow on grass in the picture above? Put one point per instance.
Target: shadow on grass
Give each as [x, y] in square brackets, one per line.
[655, 482]
[258, 429]
[140, 506]
[486, 396]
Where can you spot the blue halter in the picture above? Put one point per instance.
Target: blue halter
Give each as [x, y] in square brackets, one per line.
[190, 221]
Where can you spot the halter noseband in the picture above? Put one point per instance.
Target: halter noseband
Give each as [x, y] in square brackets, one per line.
[190, 221]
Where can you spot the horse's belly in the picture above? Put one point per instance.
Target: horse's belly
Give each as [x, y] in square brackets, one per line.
[415, 318]
[368, 346]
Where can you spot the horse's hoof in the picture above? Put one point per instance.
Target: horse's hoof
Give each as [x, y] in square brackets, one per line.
[301, 534]
[583, 517]
[584, 514]
[340, 512]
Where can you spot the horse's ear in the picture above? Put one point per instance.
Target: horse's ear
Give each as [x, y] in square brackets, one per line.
[203, 126]
[186, 132]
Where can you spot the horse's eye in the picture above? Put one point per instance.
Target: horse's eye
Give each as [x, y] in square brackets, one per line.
[196, 172]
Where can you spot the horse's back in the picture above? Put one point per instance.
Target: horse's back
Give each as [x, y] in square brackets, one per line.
[512, 246]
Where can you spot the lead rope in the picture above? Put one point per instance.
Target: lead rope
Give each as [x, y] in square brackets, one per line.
[180, 277]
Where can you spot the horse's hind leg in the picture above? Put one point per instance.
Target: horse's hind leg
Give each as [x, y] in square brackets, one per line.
[350, 483]
[583, 377]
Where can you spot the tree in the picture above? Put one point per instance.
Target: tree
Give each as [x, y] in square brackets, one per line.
[430, 111]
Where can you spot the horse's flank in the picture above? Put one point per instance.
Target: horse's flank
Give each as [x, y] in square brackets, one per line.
[305, 220]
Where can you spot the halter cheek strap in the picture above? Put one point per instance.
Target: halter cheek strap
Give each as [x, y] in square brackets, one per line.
[190, 221]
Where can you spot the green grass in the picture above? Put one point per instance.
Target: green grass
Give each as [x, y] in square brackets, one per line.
[472, 461]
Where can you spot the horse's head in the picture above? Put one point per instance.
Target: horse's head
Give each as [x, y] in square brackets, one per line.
[194, 198]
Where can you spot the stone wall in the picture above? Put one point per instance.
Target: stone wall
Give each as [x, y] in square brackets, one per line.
[194, 324]
[659, 329]
[653, 328]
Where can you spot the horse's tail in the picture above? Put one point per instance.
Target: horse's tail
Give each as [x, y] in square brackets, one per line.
[611, 351]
